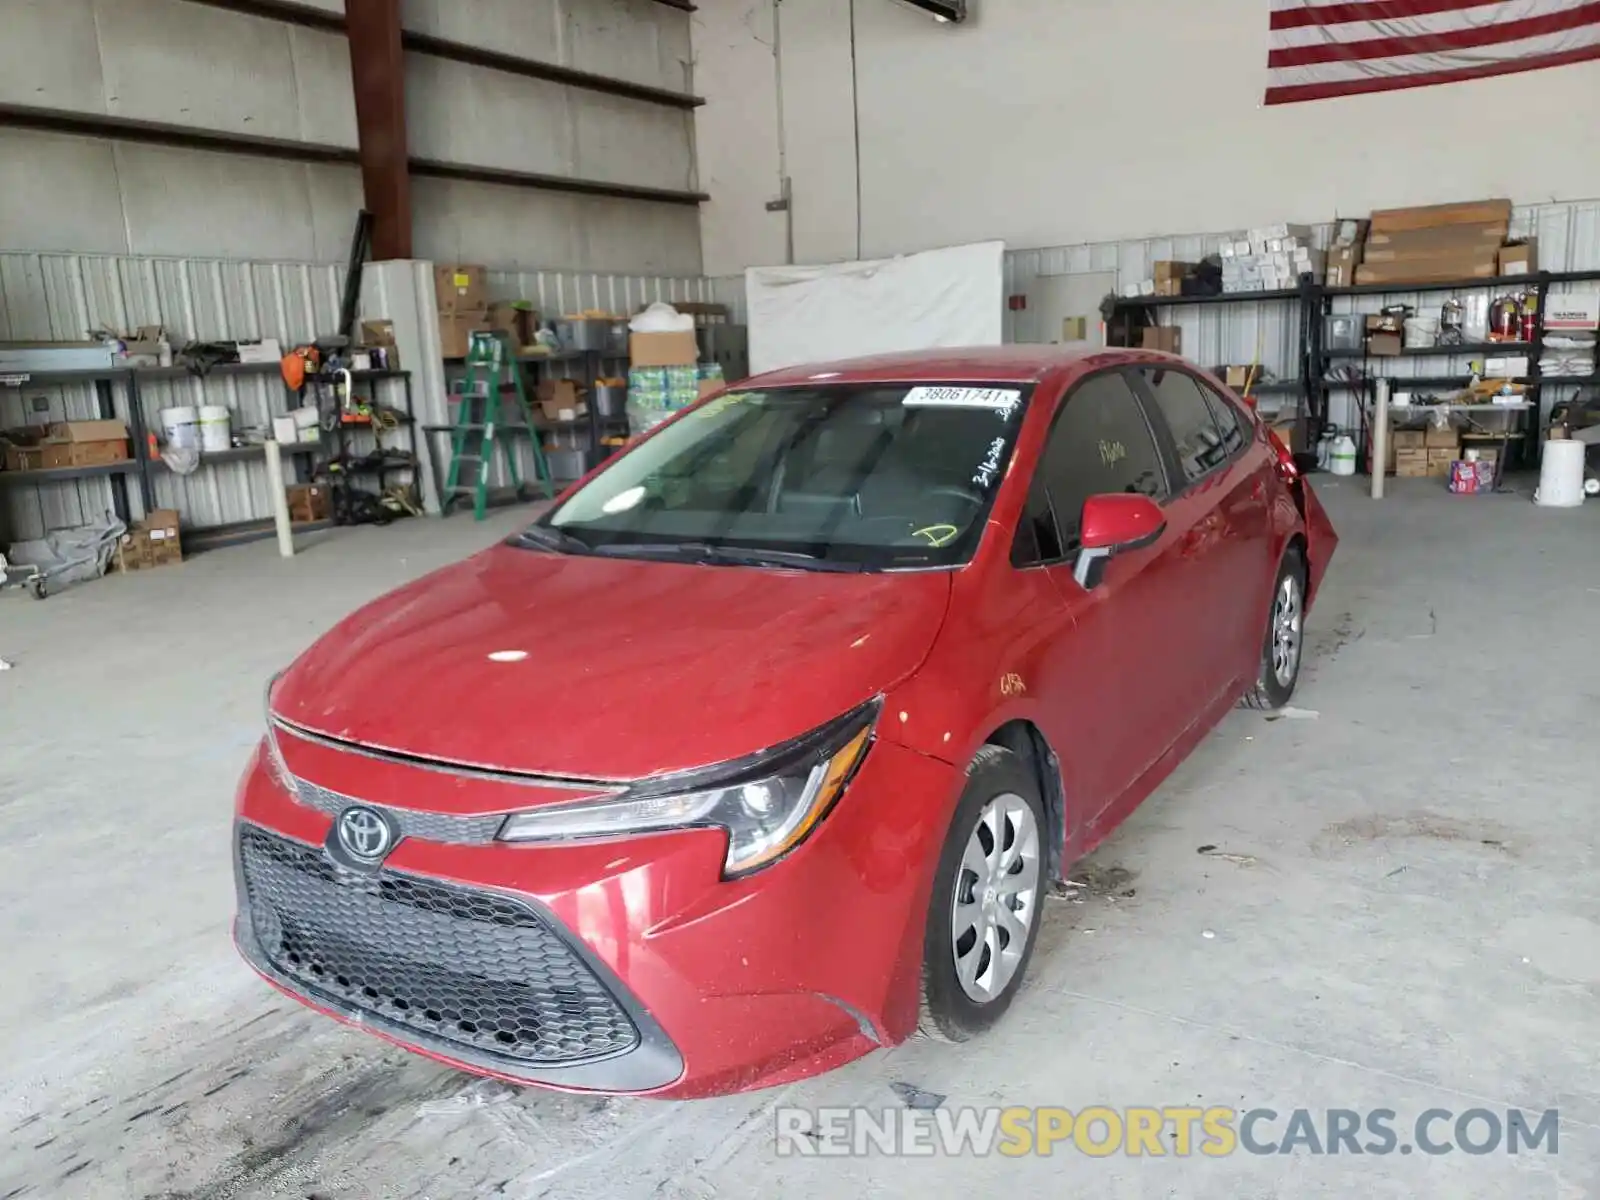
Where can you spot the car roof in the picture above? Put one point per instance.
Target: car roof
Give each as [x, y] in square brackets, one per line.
[972, 364]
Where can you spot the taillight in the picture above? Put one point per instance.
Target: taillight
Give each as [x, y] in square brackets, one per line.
[1288, 469]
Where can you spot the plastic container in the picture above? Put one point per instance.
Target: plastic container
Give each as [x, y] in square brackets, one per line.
[180, 427]
[1561, 474]
[610, 399]
[1342, 457]
[216, 428]
[1421, 333]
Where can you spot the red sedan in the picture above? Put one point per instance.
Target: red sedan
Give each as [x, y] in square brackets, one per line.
[761, 749]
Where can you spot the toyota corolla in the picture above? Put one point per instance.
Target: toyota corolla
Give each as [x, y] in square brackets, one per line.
[763, 746]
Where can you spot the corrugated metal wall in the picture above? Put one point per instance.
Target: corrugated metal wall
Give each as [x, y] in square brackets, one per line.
[1569, 240]
[61, 297]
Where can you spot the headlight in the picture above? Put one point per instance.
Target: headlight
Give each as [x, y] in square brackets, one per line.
[276, 767]
[767, 804]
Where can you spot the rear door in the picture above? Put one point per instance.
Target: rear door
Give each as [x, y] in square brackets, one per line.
[1222, 492]
[1115, 688]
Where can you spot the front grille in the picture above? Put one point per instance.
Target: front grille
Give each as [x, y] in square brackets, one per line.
[429, 826]
[473, 968]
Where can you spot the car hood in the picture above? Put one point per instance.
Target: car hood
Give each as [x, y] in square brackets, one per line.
[631, 668]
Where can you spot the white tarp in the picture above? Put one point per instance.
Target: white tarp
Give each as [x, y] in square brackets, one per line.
[952, 297]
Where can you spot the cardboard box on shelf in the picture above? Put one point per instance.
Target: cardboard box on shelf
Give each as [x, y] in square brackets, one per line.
[1520, 258]
[1240, 377]
[84, 444]
[461, 288]
[308, 502]
[1572, 311]
[1169, 277]
[561, 400]
[1434, 236]
[1410, 464]
[22, 447]
[1435, 438]
[1469, 212]
[1384, 345]
[152, 542]
[267, 350]
[1429, 251]
[1481, 263]
[1342, 264]
[456, 330]
[663, 349]
[1408, 439]
[1162, 337]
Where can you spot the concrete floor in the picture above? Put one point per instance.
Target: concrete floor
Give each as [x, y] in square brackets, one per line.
[1410, 920]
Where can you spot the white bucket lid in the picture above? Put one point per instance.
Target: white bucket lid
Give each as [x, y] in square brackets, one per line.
[184, 414]
[215, 412]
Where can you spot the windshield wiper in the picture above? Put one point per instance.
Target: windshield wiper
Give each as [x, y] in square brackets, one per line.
[548, 537]
[744, 556]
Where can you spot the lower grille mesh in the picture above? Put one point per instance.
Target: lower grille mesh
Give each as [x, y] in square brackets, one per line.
[470, 967]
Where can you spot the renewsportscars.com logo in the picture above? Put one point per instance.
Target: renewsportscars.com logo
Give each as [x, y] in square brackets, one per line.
[1176, 1131]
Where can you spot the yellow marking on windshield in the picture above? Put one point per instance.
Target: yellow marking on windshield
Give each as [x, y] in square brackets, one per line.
[938, 535]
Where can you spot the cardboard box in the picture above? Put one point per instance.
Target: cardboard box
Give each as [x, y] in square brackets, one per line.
[144, 344]
[1478, 264]
[1408, 439]
[1170, 276]
[1471, 478]
[1162, 337]
[1411, 464]
[1470, 212]
[152, 542]
[1342, 264]
[1572, 311]
[1439, 462]
[1384, 345]
[1418, 240]
[85, 444]
[22, 447]
[663, 349]
[308, 502]
[561, 400]
[516, 319]
[1435, 438]
[1432, 249]
[461, 288]
[1520, 258]
[456, 330]
[1240, 377]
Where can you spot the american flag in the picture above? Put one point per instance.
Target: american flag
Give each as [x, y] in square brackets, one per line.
[1323, 49]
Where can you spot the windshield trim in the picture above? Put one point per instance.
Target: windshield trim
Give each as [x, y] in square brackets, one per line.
[952, 556]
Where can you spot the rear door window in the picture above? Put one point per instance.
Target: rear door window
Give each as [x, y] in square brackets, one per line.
[1200, 444]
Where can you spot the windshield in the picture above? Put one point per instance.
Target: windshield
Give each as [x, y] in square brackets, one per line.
[873, 476]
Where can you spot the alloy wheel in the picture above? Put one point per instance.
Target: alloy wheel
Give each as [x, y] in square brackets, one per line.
[1287, 618]
[996, 897]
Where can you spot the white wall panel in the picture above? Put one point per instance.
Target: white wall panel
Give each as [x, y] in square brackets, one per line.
[64, 296]
[512, 227]
[1043, 123]
[50, 55]
[636, 40]
[60, 193]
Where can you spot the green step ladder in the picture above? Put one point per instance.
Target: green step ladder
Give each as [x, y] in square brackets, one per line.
[480, 427]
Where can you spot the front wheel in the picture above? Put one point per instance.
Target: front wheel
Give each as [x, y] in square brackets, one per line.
[1285, 638]
[984, 914]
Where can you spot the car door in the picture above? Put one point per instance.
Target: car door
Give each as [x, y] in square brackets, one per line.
[1114, 688]
[1221, 498]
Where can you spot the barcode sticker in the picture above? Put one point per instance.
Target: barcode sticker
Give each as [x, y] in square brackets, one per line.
[1001, 400]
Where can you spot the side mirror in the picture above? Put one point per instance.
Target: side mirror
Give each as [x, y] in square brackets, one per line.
[1112, 524]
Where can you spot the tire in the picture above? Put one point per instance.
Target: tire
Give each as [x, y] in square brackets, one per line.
[1283, 646]
[971, 974]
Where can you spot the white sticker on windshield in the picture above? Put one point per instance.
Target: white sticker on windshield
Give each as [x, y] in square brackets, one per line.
[1001, 400]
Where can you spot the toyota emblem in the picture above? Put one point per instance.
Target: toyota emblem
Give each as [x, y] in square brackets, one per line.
[364, 834]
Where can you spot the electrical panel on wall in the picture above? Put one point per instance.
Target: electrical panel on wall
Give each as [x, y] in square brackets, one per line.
[948, 11]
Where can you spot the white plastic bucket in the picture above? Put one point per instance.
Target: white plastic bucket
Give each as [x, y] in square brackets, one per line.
[216, 428]
[180, 427]
[1561, 474]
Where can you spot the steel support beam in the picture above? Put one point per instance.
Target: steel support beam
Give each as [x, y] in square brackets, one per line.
[377, 65]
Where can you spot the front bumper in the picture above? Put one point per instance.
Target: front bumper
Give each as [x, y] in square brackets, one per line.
[717, 986]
